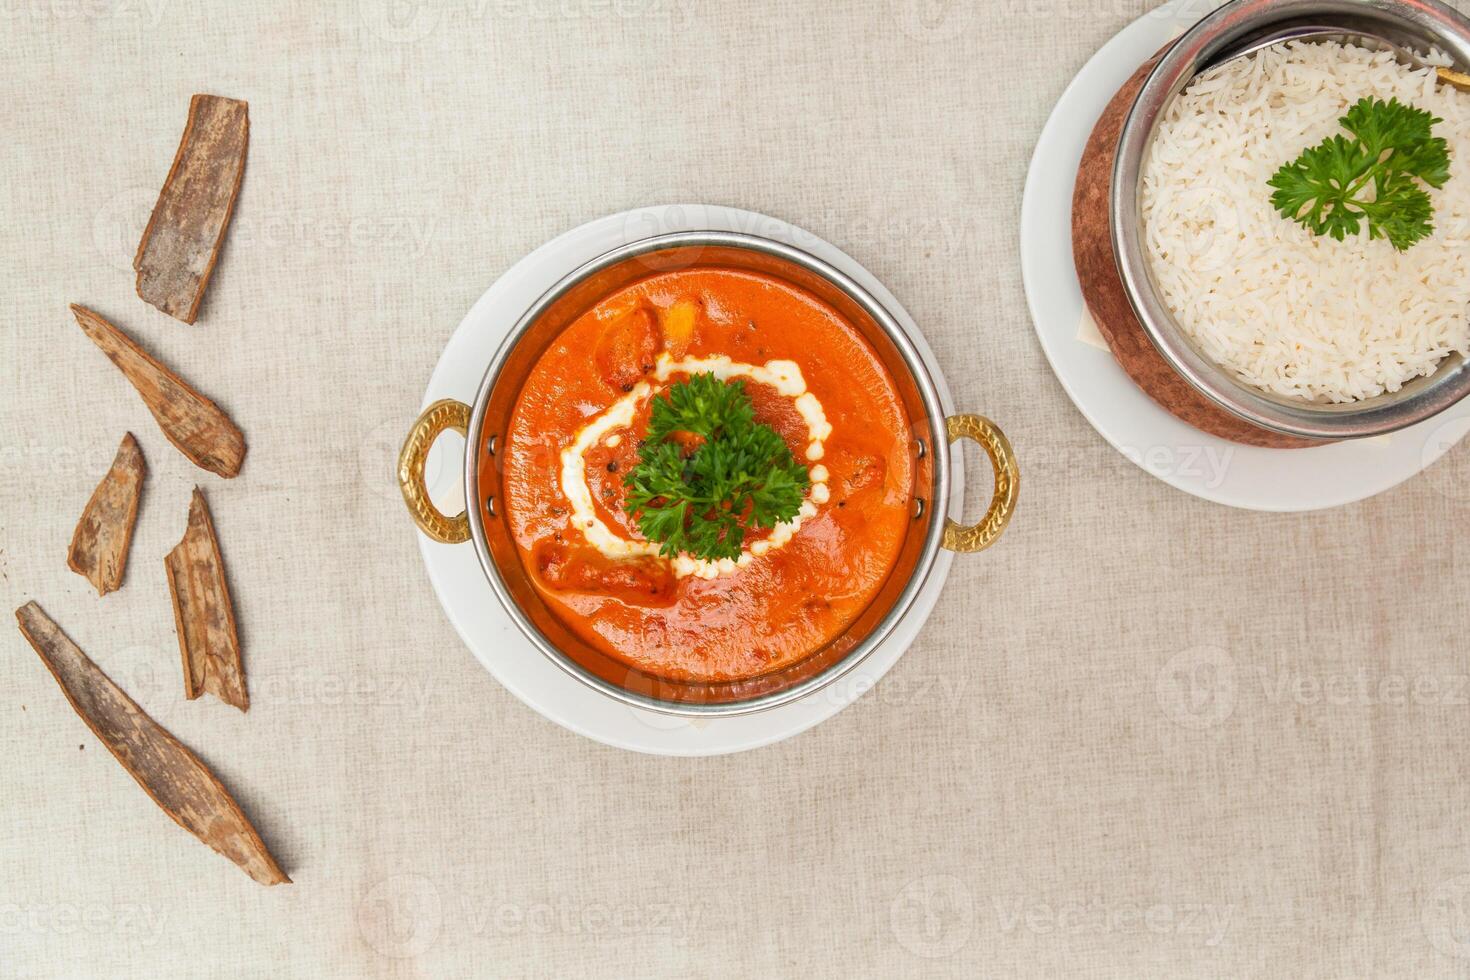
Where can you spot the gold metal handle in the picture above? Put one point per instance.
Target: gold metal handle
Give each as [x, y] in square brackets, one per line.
[978, 537]
[443, 414]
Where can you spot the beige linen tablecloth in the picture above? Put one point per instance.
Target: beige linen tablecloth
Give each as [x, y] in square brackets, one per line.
[1144, 736]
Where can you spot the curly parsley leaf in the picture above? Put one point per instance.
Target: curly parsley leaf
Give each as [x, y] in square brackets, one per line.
[1339, 182]
[707, 471]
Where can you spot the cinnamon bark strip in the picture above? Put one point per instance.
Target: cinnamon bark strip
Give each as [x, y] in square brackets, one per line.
[182, 240]
[168, 772]
[193, 423]
[99, 546]
[204, 616]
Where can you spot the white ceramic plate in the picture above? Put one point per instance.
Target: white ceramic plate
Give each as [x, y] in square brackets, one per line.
[1178, 454]
[466, 594]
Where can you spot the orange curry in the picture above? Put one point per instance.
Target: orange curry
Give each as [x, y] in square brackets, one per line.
[787, 597]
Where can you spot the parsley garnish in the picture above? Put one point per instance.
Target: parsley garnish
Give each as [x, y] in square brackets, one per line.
[1326, 188]
[739, 473]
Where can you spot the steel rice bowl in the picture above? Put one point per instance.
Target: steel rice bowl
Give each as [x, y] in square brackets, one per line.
[1235, 29]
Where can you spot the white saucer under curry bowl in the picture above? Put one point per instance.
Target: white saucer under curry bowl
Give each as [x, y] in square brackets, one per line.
[485, 421]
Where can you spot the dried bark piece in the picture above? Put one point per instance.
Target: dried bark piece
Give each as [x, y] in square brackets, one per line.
[168, 772]
[181, 243]
[204, 616]
[193, 423]
[99, 546]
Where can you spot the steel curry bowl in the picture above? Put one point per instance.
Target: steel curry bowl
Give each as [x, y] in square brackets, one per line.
[485, 423]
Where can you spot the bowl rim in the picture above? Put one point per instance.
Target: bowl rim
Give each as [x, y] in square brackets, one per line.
[1212, 40]
[938, 446]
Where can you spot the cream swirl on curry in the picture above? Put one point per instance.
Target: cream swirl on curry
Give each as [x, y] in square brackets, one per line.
[784, 376]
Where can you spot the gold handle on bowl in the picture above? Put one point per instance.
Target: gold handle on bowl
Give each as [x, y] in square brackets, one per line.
[443, 414]
[978, 537]
[1455, 79]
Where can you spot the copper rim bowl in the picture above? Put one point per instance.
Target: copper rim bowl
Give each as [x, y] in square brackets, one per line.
[485, 522]
[1408, 27]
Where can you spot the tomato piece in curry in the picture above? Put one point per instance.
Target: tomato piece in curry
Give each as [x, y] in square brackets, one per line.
[786, 597]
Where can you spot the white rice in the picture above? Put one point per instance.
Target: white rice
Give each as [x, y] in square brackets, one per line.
[1288, 311]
